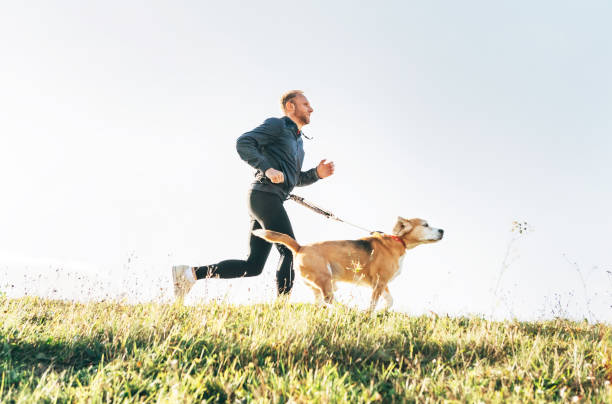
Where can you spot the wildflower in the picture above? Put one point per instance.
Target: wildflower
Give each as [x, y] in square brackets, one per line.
[355, 266]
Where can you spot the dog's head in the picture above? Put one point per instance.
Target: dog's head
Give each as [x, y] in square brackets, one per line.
[416, 231]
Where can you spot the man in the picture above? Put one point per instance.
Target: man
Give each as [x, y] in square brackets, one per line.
[275, 150]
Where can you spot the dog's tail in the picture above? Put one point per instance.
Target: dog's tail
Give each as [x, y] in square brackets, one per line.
[276, 237]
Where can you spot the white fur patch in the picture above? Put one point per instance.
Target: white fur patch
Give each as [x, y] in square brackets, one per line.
[388, 299]
[400, 263]
[432, 234]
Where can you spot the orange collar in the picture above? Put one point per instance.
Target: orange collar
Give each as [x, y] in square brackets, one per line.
[398, 239]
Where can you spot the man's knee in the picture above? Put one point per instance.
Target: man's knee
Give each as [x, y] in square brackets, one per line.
[253, 272]
[254, 268]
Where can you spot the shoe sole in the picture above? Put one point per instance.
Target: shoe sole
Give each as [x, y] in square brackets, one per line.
[175, 275]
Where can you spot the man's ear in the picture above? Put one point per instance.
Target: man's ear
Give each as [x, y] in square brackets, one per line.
[289, 107]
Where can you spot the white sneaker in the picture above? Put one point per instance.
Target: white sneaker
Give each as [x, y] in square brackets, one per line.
[182, 276]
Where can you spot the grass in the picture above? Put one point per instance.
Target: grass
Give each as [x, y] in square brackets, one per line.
[53, 351]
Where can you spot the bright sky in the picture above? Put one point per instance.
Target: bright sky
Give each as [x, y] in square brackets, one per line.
[118, 123]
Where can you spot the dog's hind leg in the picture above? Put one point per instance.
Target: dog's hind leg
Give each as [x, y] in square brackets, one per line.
[327, 289]
[318, 274]
[322, 295]
[322, 288]
[318, 295]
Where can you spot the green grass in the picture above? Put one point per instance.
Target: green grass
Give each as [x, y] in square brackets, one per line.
[53, 351]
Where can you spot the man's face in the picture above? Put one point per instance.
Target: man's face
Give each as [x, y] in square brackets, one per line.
[302, 109]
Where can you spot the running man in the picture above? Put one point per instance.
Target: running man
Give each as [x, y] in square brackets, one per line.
[275, 150]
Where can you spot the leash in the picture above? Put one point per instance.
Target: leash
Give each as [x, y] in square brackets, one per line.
[324, 212]
[330, 215]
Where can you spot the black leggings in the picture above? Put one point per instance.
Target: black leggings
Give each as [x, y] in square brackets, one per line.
[266, 211]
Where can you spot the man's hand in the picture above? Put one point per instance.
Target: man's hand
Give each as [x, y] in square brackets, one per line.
[275, 176]
[325, 169]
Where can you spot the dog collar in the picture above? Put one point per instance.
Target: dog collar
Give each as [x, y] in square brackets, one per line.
[398, 239]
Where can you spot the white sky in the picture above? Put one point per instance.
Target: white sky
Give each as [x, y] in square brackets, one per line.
[118, 123]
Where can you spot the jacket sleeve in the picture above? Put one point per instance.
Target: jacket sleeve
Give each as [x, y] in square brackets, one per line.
[249, 144]
[307, 177]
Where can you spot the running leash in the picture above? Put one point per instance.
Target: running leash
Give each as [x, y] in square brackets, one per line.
[323, 212]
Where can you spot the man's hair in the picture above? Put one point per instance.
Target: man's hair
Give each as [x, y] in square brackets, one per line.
[288, 97]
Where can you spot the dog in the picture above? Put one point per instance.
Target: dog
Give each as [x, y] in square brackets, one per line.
[373, 261]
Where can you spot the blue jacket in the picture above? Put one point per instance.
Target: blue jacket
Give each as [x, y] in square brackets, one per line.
[277, 143]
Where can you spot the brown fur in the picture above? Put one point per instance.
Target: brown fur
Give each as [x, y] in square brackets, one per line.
[373, 261]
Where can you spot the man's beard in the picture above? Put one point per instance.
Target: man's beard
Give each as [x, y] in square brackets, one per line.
[304, 119]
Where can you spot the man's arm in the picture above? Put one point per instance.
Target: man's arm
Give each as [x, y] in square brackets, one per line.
[307, 177]
[323, 170]
[249, 143]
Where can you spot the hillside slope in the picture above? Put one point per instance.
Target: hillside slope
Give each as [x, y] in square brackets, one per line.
[59, 351]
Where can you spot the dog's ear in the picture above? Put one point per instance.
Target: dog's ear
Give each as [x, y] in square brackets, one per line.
[402, 226]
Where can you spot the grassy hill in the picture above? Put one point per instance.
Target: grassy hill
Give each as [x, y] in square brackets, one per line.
[52, 351]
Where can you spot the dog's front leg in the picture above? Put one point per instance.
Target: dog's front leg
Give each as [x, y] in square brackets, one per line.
[388, 299]
[378, 289]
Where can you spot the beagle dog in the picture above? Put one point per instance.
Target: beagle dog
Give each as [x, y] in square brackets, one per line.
[373, 261]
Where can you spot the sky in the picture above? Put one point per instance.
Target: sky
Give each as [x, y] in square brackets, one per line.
[118, 123]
